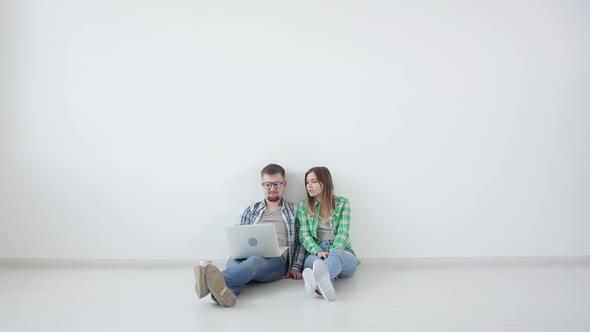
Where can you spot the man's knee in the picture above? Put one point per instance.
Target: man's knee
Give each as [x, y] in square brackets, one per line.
[255, 260]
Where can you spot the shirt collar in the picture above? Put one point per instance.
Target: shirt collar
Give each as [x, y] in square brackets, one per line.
[335, 198]
[282, 204]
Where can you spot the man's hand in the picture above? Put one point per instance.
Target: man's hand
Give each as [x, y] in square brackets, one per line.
[322, 254]
[293, 274]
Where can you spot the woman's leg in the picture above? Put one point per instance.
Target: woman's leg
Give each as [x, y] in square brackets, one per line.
[341, 263]
[309, 261]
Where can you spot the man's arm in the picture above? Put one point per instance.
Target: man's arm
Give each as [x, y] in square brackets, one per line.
[248, 216]
[299, 253]
[245, 216]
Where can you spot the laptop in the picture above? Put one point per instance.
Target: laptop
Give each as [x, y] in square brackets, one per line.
[253, 240]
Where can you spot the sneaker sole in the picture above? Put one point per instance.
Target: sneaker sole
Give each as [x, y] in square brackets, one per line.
[322, 276]
[217, 286]
[309, 280]
[200, 285]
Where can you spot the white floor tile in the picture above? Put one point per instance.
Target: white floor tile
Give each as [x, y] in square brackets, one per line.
[500, 298]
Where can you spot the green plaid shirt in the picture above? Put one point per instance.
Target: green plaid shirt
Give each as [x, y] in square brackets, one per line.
[308, 226]
[253, 214]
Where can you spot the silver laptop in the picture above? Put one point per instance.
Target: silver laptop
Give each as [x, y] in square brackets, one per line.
[253, 240]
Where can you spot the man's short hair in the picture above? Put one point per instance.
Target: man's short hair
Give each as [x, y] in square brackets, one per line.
[272, 169]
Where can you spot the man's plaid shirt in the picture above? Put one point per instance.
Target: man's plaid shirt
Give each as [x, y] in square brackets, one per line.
[297, 252]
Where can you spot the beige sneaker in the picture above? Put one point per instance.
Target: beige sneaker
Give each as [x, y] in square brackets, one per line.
[200, 285]
[217, 286]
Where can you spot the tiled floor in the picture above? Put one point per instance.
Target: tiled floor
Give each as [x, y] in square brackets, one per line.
[380, 297]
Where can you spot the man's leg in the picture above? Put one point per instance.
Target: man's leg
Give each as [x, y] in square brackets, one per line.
[235, 278]
[256, 268]
[220, 293]
[268, 269]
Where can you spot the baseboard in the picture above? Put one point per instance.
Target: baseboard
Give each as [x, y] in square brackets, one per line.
[100, 263]
[411, 262]
[396, 262]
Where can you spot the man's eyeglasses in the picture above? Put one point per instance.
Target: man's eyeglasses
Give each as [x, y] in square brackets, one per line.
[269, 185]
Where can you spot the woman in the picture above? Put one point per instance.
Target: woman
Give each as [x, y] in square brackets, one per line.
[324, 220]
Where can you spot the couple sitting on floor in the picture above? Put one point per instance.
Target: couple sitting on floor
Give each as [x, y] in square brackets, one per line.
[317, 235]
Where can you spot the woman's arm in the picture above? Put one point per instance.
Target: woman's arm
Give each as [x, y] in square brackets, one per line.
[342, 214]
[304, 230]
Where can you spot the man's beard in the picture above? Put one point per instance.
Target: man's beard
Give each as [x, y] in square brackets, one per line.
[273, 198]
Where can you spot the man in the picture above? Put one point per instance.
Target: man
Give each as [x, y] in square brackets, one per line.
[225, 286]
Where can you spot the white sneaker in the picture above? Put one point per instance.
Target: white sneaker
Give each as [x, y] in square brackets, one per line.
[322, 277]
[310, 283]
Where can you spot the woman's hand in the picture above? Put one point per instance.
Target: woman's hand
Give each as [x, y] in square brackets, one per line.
[323, 254]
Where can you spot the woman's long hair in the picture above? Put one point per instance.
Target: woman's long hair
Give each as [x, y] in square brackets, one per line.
[327, 204]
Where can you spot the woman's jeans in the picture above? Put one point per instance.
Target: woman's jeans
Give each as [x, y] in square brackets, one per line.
[341, 263]
[239, 272]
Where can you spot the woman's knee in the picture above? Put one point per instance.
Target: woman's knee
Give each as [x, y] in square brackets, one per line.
[347, 271]
[348, 262]
[342, 254]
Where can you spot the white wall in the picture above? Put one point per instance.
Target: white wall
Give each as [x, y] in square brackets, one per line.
[137, 129]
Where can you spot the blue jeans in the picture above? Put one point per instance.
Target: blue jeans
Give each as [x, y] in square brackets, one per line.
[239, 272]
[341, 263]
